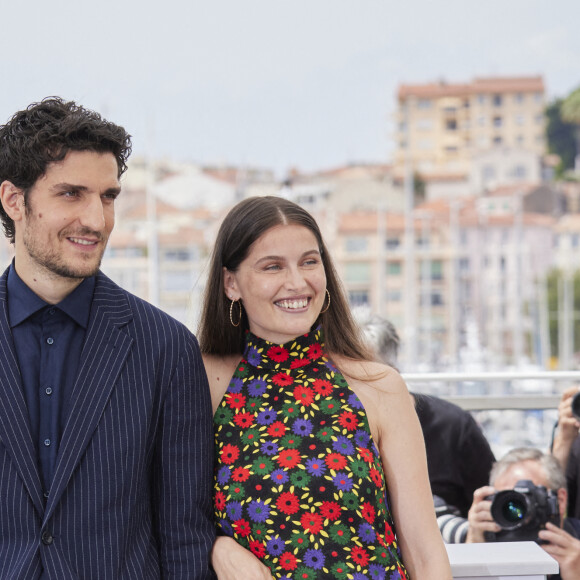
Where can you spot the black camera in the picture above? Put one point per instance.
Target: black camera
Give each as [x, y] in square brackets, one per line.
[522, 512]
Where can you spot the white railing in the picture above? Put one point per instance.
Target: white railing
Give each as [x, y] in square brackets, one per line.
[513, 408]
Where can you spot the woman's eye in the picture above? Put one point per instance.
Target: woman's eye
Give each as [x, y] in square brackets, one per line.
[272, 267]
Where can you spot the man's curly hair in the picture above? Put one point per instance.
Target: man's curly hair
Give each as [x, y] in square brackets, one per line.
[44, 133]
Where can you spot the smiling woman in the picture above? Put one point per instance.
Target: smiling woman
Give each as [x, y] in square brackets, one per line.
[309, 431]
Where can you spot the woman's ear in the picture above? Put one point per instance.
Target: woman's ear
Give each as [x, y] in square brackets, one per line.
[230, 286]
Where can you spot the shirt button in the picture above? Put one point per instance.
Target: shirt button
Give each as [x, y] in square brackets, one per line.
[50, 340]
[47, 538]
[51, 311]
[48, 390]
[47, 442]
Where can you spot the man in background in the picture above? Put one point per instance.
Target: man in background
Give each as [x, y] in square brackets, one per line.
[106, 440]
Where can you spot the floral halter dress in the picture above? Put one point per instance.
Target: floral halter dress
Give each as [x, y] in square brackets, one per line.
[299, 480]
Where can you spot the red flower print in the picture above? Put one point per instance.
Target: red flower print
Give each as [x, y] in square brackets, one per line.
[314, 351]
[389, 536]
[242, 528]
[360, 555]
[365, 454]
[336, 461]
[240, 474]
[229, 454]
[322, 387]
[303, 395]
[289, 458]
[288, 561]
[277, 429]
[278, 353]
[348, 420]
[288, 503]
[257, 548]
[244, 420]
[311, 523]
[282, 379]
[299, 362]
[368, 512]
[220, 500]
[330, 510]
[235, 400]
[376, 477]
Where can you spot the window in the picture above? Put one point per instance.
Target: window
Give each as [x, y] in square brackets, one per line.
[497, 100]
[497, 122]
[356, 244]
[358, 297]
[539, 119]
[538, 97]
[356, 272]
[481, 121]
[519, 98]
[488, 172]
[520, 120]
[436, 299]
[520, 140]
[481, 99]
[497, 140]
[451, 149]
[520, 171]
[424, 124]
[424, 104]
[177, 255]
[436, 270]
[177, 281]
[451, 125]
[393, 243]
[464, 264]
[394, 295]
[394, 268]
[425, 144]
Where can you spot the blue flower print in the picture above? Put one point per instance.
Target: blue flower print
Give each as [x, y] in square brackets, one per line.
[279, 476]
[343, 445]
[354, 402]
[224, 474]
[234, 510]
[257, 387]
[315, 466]
[253, 356]
[314, 559]
[266, 417]
[362, 438]
[275, 546]
[366, 533]
[342, 481]
[258, 511]
[235, 385]
[269, 448]
[302, 427]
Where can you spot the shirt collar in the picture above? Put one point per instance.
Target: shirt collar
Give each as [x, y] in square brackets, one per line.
[23, 302]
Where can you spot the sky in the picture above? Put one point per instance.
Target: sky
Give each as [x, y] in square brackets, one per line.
[275, 84]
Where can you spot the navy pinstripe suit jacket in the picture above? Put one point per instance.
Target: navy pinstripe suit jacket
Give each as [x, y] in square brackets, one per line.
[131, 495]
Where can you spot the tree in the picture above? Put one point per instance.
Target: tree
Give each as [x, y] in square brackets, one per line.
[570, 111]
[560, 137]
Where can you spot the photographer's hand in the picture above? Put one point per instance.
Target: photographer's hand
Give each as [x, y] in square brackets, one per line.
[479, 516]
[564, 548]
[567, 429]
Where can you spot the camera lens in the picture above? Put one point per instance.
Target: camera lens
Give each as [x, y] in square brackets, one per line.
[511, 509]
[576, 406]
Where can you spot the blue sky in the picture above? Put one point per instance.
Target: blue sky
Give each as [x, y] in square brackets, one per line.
[273, 83]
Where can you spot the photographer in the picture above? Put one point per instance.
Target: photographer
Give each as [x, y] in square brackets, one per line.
[566, 445]
[561, 540]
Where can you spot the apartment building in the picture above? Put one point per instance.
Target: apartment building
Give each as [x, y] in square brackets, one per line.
[474, 263]
[441, 127]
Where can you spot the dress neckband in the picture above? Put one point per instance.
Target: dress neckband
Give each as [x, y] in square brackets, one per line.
[296, 353]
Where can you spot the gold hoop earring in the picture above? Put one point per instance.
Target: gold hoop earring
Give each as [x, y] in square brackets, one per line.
[328, 305]
[232, 313]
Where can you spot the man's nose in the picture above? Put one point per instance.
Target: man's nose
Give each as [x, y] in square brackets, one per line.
[93, 214]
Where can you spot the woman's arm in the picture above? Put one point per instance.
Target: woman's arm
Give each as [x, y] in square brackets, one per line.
[397, 432]
[231, 561]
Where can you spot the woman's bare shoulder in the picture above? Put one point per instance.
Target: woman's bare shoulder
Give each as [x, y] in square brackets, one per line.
[373, 374]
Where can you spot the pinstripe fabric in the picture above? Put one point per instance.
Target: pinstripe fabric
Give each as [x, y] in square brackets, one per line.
[131, 495]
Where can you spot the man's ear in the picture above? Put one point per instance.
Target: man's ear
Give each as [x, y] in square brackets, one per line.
[12, 199]
[562, 503]
[230, 286]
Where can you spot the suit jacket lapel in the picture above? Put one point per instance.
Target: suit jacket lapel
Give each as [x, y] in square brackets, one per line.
[104, 352]
[14, 419]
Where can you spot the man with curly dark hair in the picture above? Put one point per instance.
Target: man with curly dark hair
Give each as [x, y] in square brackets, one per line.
[105, 416]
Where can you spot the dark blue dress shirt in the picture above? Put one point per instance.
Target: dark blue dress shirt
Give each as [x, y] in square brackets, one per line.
[48, 340]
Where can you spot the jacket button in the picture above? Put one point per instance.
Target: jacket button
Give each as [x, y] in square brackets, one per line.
[47, 538]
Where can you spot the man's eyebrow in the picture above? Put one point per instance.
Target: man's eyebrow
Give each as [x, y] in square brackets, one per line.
[64, 186]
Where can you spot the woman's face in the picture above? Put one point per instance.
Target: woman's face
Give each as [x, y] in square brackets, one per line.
[281, 283]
